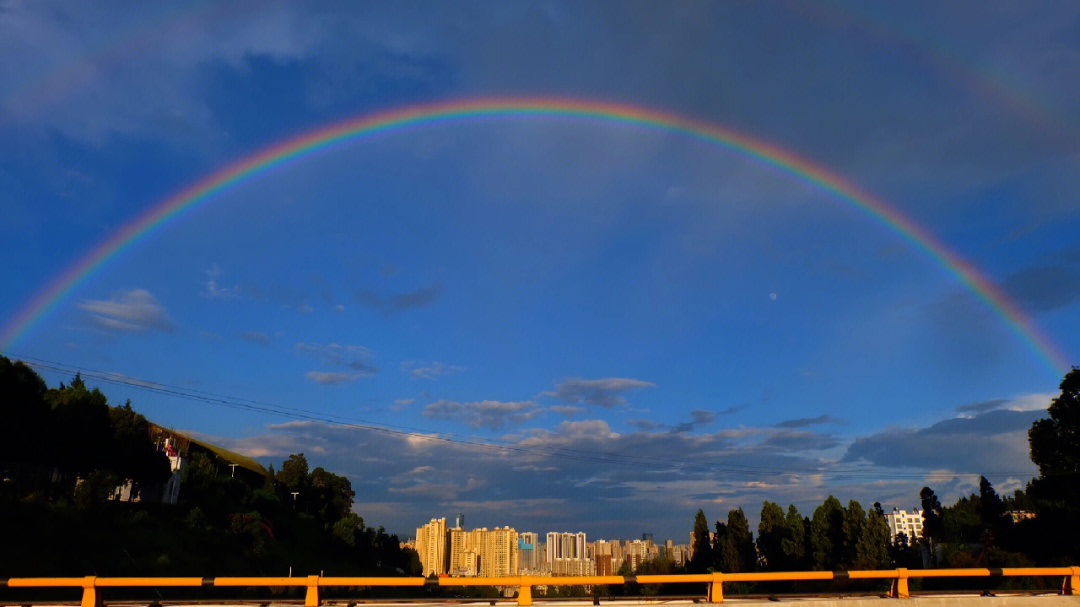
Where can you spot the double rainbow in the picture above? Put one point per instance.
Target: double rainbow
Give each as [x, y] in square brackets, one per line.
[417, 116]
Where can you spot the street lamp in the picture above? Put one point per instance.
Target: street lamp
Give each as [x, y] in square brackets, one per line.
[294, 494]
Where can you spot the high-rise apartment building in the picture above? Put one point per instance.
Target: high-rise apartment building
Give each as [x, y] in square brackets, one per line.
[901, 521]
[566, 555]
[463, 560]
[431, 546]
[484, 552]
[565, 546]
[529, 552]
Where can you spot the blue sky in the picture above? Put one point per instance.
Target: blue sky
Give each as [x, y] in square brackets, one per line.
[558, 324]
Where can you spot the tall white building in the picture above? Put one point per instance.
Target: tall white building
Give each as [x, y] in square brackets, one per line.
[901, 521]
[431, 546]
[565, 546]
[565, 554]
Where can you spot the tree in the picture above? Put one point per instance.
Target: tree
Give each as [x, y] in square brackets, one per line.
[24, 412]
[854, 522]
[794, 547]
[134, 455]
[1055, 446]
[701, 557]
[991, 508]
[772, 532]
[738, 554]
[1055, 493]
[872, 551]
[294, 472]
[931, 511]
[827, 534]
[332, 495]
[903, 554]
[719, 545]
[82, 432]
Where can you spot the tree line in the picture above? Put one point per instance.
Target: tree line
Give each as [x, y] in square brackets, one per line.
[1034, 526]
[64, 450]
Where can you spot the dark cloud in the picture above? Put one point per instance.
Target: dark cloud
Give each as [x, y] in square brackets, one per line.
[331, 378]
[803, 422]
[992, 442]
[574, 476]
[133, 311]
[417, 298]
[367, 297]
[357, 359]
[429, 370]
[985, 405]
[644, 424]
[488, 413]
[801, 440]
[1044, 288]
[703, 417]
[567, 410]
[257, 337]
[606, 392]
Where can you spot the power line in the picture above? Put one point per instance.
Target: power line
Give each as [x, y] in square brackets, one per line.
[492, 444]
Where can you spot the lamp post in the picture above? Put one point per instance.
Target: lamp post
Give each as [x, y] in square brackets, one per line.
[294, 494]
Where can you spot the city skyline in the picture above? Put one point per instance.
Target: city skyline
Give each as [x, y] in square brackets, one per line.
[572, 265]
[503, 551]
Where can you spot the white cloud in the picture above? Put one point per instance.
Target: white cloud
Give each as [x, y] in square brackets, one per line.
[130, 311]
[212, 290]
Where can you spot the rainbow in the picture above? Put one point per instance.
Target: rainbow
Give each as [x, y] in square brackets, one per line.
[415, 116]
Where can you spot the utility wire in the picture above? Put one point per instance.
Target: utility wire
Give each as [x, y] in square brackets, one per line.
[493, 444]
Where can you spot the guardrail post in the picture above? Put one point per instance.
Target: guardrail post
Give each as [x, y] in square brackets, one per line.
[312, 597]
[899, 585]
[524, 590]
[91, 597]
[1071, 586]
[716, 588]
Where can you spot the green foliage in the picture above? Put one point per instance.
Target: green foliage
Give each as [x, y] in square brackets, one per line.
[719, 540]
[96, 488]
[222, 526]
[854, 528]
[772, 532]
[1055, 446]
[795, 547]
[331, 495]
[827, 534]
[872, 549]
[991, 508]
[737, 552]
[294, 473]
[702, 548]
[961, 522]
[24, 412]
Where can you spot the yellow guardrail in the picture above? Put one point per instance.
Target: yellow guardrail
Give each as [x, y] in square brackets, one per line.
[524, 583]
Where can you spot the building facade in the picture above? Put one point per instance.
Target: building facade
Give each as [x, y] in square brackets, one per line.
[908, 523]
[529, 552]
[431, 542]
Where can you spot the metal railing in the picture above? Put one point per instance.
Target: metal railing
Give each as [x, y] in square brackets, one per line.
[92, 585]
